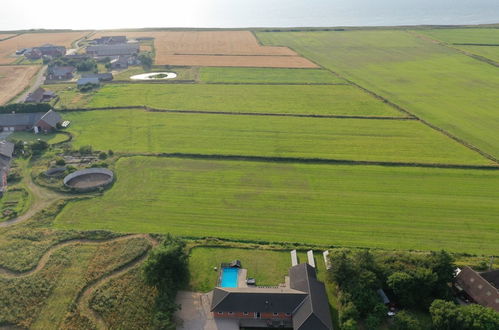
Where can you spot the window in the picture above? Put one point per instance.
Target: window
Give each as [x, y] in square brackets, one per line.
[275, 314]
[245, 313]
[220, 313]
[231, 313]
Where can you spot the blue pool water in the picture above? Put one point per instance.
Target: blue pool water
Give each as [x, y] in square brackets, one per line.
[229, 278]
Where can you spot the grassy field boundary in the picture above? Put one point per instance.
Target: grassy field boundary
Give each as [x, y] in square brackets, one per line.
[407, 112]
[316, 161]
[147, 108]
[448, 45]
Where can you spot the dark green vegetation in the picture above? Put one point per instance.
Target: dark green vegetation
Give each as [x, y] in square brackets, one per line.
[447, 315]
[413, 280]
[25, 107]
[289, 99]
[268, 76]
[139, 131]
[13, 202]
[166, 270]
[444, 87]
[388, 207]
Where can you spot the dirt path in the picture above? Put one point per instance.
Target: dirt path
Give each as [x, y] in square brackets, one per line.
[83, 299]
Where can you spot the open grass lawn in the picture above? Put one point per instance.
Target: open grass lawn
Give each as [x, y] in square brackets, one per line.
[262, 75]
[50, 138]
[369, 206]
[464, 36]
[325, 100]
[448, 89]
[139, 131]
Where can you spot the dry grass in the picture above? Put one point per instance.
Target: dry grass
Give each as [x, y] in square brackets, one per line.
[217, 48]
[3, 36]
[9, 47]
[14, 79]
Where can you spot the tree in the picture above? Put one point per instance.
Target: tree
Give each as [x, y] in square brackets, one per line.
[145, 59]
[442, 264]
[342, 268]
[414, 289]
[405, 321]
[85, 150]
[39, 146]
[349, 324]
[444, 315]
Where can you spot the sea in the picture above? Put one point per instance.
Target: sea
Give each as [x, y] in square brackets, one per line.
[98, 14]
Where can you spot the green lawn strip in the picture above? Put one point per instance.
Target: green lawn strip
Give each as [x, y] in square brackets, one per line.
[464, 36]
[139, 131]
[448, 89]
[51, 138]
[66, 289]
[369, 206]
[266, 75]
[288, 99]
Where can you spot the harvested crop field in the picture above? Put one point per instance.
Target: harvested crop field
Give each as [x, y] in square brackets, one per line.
[9, 47]
[218, 48]
[14, 79]
[3, 36]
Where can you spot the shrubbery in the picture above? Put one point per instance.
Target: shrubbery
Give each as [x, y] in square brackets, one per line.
[25, 107]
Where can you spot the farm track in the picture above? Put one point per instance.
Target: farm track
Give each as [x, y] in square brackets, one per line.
[83, 298]
[410, 114]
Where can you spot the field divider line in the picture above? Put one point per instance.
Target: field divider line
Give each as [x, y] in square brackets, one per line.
[238, 55]
[276, 84]
[317, 161]
[233, 113]
[408, 113]
[448, 45]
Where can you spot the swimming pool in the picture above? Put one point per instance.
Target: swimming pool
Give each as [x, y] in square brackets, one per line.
[229, 277]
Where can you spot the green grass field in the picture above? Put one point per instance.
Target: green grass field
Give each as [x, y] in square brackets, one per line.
[265, 75]
[448, 89]
[491, 53]
[464, 36]
[369, 206]
[139, 131]
[50, 138]
[326, 100]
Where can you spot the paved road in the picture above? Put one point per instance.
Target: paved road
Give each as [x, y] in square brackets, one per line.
[40, 78]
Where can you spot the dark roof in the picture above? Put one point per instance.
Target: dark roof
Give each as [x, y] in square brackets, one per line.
[38, 95]
[110, 50]
[52, 118]
[101, 76]
[6, 149]
[478, 288]
[20, 119]
[305, 298]
[84, 81]
[62, 70]
[256, 300]
[313, 314]
[491, 276]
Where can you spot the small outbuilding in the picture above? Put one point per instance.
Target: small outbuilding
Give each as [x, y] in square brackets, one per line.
[40, 95]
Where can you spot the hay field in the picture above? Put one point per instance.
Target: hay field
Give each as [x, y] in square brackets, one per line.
[446, 88]
[14, 79]
[369, 206]
[287, 99]
[9, 47]
[139, 131]
[217, 48]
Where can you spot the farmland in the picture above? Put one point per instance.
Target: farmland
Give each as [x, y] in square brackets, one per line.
[268, 76]
[393, 208]
[14, 79]
[218, 48]
[451, 90]
[9, 47]
[347, 139]
[287, 99]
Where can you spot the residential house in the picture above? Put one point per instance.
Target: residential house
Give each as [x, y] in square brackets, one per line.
[40, 95]
[110, 40]
[301, 302]
[51, 50]
[107, 76]
[33, 53]
[84, 81]
[481, 288]
[6, 150]
[37, 121]
[102, 51]
[61, 72]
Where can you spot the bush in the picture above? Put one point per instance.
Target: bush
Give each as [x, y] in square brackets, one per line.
[349, 325]
[38, 147]
[102, 155]
[85, 150]
[60, 161]
[405, 321]
[25, 107]
[110, 152]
